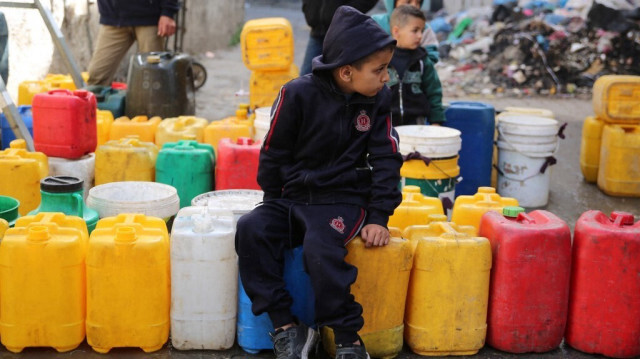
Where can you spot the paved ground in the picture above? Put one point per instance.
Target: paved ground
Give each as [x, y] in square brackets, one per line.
[569, 197]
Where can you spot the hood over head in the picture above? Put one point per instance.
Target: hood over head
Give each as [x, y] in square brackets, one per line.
[351, 36]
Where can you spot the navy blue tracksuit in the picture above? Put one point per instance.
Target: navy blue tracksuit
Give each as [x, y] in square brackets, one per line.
[329, 164]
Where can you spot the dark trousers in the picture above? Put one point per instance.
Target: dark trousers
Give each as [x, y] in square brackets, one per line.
[261, 238]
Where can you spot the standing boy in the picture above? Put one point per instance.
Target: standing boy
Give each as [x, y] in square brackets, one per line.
[414, 82]
[329, 168]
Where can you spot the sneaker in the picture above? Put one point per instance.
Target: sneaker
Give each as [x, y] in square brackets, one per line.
[294, 343]
[351, 351]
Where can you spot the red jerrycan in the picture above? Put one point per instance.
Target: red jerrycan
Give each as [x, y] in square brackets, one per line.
[64, 123]
[237, 165]
[529, 291]
[604, 306]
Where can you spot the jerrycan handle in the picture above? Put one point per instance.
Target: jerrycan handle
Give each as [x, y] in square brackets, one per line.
[60, 91]
[79, 204]
[621, 218]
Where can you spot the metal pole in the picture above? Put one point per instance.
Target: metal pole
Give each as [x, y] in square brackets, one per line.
[61, 45]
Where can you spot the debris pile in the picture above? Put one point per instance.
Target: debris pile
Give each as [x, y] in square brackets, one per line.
[518, 48]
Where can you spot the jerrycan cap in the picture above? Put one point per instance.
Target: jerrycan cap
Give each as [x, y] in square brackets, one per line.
[623, 218]
[61, 184]
[153, 59]
[512, 211]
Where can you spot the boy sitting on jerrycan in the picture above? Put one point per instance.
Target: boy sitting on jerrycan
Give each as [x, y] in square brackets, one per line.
[329, 168]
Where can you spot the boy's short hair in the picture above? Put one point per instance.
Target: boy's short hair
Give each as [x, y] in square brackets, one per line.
[358, 63]
[401, 15]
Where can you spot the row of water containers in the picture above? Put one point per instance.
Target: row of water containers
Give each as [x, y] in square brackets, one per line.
[158, 84]
[68, 124]
[520, 283]
[610, 148]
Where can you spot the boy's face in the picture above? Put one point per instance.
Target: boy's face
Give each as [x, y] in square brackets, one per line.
[414, 3]
[370, 78]
[409, 35]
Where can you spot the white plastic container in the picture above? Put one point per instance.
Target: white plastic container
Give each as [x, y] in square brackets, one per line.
[238, 201]
[430, 141]
[148, 198]
[204, 285]
[262, 123]
[526, 145]
[82, 168]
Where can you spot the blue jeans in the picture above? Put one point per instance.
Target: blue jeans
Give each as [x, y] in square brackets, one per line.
[314, 48]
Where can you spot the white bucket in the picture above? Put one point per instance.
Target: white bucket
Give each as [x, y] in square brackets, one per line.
[239, 201]
[82, 168]
[148, 198]
[525, 143]
[430, 141]
[262, 123]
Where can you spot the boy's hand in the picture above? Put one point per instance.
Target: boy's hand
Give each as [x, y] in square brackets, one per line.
[374, 235]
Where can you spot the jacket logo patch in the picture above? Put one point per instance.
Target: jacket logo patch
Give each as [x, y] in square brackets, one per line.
[363, 122]
[338, 224]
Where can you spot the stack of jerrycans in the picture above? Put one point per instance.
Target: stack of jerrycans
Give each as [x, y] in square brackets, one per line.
[611, 139]
[267, 50]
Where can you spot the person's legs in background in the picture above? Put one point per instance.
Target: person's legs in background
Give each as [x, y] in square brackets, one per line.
[314, 48]
[113, 43]
[148, 39]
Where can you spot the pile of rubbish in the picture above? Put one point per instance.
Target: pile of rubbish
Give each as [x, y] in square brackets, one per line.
[519, 48]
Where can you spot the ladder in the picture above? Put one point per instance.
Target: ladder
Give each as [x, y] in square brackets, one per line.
[8, 107]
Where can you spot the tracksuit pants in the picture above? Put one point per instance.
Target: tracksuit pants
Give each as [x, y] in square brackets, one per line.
[323, 230]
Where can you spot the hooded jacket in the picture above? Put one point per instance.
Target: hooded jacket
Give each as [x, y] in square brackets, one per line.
[428, 37]
[418, 93]
[318, 13]
[324, 147]
[135, 12]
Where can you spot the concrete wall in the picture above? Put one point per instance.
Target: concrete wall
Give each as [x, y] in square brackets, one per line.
[210, 25]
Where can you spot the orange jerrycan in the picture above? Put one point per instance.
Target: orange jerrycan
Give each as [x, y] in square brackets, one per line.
[128, 290]
[42, 283]
[4, 225]
[232, 127]
[141, 126]
[468, 210]
[126, 159]
[619, 170]
[446, 312]
[381, 288]
[179, 128]
[414, 209]
[21, 172]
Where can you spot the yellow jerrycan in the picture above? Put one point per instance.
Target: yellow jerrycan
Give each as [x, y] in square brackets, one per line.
[265, 85]
[20, 175]
[616, 99]
[42, 283]
[231, 127]
[619, 171]
[104, 120]
[141, 126]
[267, 44]
[590, 148]
[174, 129]
[4, 225]
[415, 208]
[468, 210]
[381, 288]
[128, 283]
[446, 312]
[126, 159]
